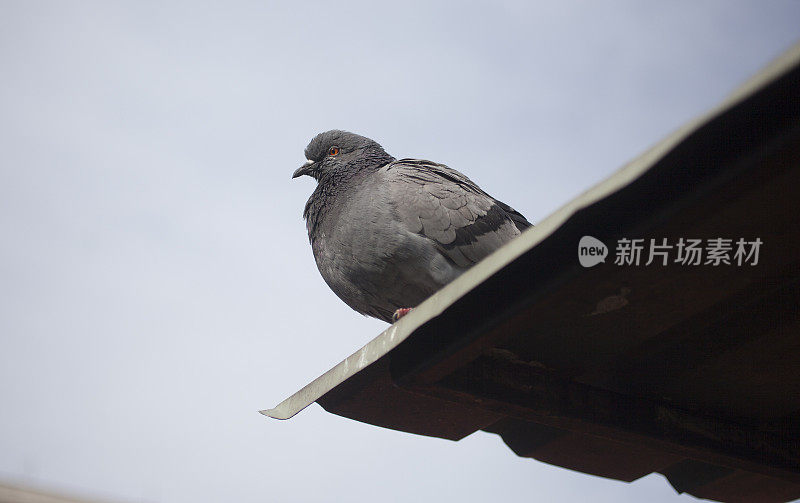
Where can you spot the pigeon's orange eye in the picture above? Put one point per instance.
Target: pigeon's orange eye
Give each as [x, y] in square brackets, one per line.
[333, 151]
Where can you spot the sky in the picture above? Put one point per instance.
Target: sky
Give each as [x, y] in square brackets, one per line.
[157, 288]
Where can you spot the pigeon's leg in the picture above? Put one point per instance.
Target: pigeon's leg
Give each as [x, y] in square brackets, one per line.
[400, 313]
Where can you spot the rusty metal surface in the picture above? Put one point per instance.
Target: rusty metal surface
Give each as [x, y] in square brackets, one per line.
[692, 372]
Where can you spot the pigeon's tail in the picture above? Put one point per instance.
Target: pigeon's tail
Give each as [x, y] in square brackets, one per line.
[520, 221]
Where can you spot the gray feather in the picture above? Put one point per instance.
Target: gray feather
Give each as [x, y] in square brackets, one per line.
[387, 233]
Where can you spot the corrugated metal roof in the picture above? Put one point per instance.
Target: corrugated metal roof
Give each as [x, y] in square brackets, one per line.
[624, 370]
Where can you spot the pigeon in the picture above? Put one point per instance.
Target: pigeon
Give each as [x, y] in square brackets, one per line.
[387, 233]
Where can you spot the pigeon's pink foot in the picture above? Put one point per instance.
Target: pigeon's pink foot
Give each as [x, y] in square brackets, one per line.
[400, 313]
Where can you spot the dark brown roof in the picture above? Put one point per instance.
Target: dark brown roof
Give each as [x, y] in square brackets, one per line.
[624, 370]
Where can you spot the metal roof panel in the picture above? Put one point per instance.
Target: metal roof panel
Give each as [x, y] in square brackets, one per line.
[620, 371]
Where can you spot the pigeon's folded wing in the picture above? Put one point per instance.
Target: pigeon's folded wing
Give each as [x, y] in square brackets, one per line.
[465, 223]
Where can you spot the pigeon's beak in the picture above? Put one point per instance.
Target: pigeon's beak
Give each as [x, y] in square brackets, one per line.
[305, 169]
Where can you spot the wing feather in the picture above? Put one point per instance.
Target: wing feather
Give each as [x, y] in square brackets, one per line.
[465, 223]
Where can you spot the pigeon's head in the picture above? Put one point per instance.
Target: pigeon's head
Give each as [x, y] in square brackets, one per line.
[340, 152]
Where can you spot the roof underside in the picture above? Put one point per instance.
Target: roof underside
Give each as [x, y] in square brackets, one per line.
[620, 371]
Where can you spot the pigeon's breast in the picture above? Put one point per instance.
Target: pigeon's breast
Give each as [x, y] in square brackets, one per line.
[371, 260]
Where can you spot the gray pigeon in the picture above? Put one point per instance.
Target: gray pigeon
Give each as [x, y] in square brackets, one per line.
[388, 233]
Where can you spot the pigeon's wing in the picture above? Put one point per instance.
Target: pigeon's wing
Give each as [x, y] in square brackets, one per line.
[464, 222]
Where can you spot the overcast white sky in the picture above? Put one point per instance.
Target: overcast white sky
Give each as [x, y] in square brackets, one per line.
[156, 283]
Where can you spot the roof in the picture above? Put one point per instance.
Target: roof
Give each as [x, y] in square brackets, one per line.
[12, 493]
[692, 371]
